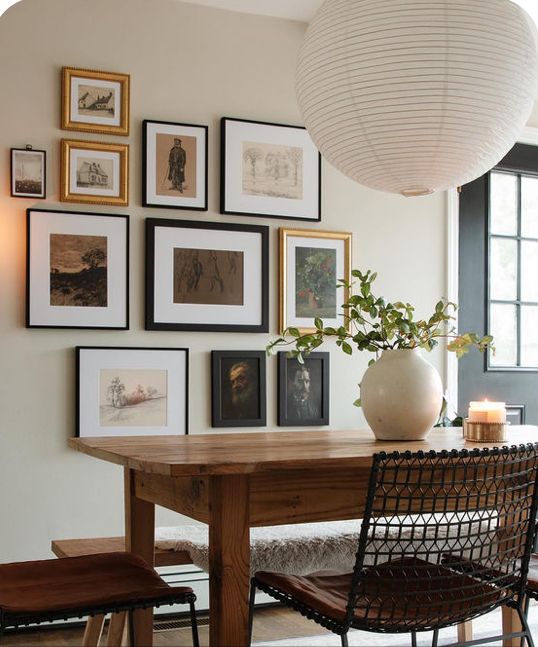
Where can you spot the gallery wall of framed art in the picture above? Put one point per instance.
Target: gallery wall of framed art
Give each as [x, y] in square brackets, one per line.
[202, 65]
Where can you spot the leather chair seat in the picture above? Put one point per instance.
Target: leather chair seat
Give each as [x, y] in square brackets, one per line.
[328, 594]
[48, 589]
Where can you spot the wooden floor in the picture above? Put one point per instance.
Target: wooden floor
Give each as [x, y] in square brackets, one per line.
[270, 623]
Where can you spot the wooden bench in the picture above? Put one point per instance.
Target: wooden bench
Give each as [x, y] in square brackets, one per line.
[77, 547]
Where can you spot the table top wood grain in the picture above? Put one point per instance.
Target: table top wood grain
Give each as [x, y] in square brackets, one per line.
[247, 453]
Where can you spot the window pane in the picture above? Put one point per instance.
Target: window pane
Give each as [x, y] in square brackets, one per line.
[503, 269]
[529, 336]
[529, 207]
[503, 327]
[503, 204]
[529, 271]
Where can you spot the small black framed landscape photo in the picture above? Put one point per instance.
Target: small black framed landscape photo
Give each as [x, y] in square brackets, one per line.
[303, 390]
[271, 170]
[124, 391]
[28, 173]
[174, 163]
[206, 276]
[77, 270]
[238, 388]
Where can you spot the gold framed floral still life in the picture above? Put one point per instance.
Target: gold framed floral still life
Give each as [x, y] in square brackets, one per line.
[311, 264]
[95, 101]
[94, 173]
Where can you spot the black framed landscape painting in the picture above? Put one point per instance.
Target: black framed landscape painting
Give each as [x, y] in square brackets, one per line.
[28, 173]
[124, 391]
[77, 270]
[271, 170]
[206, 276]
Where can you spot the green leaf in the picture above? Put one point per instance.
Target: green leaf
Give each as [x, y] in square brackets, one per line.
[347, 348]
[318, 323]
[357, 403]
[294, 332]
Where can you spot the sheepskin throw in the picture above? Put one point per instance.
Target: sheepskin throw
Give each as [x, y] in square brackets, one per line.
[295, 549]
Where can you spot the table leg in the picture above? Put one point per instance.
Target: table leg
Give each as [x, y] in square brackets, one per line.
[229, 560]
[140, 539]
[511, 623]
[465, 631]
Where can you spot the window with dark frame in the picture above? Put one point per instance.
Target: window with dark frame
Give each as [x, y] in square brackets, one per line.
[513, 270]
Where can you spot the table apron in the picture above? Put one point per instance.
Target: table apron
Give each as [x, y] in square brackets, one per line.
[279, 497]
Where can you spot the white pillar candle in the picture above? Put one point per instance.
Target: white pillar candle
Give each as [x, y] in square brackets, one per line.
[487, 411]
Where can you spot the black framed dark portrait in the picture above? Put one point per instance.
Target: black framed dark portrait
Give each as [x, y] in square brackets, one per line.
[238, 389]
[303, 390]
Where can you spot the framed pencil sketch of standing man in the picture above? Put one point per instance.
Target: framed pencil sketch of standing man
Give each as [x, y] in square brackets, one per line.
[174, 165]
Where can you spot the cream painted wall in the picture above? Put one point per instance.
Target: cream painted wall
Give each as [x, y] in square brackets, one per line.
[188, 64]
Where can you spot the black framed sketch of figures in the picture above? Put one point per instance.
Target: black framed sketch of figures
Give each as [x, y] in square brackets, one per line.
[238, 389]
[132, 391]
[269, 170]
[206, 276]
[174, 165]
[77, 270]
[28, 173]
[303, 390]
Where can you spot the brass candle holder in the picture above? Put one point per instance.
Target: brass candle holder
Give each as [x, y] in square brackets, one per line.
[484, 432]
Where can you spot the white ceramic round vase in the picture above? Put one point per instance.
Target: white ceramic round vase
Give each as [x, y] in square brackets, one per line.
[401, 395]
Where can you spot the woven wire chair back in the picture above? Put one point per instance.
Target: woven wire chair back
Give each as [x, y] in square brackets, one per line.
[446, 537]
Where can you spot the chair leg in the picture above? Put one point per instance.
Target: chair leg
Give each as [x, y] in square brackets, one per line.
[413, 639]
[116, 628]
[194, 625]
[343, 638]
[252, 599]
[93, 630]
[435, 637]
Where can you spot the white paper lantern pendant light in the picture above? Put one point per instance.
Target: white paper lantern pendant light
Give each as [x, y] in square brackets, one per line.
[416, 96]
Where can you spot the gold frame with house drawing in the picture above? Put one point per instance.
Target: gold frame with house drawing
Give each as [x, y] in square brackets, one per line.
[71, 120]
[287, 318]
[68, 160]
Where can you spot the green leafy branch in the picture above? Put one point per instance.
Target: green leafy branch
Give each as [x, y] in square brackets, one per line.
[374, 324]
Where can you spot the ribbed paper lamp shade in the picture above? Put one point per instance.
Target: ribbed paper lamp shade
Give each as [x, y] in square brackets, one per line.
[416, 96]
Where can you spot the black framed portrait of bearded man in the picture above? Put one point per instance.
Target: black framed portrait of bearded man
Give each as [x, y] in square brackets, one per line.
[238, 389]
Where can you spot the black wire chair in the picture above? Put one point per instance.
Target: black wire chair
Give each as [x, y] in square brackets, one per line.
[446, 537]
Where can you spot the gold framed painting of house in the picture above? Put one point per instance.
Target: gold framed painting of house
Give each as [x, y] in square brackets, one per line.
[95, 101]
[94, 172]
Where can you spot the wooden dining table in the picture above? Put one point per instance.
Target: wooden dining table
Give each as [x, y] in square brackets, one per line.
[233, 482]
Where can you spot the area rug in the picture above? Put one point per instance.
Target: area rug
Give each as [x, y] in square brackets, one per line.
[487, 625]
